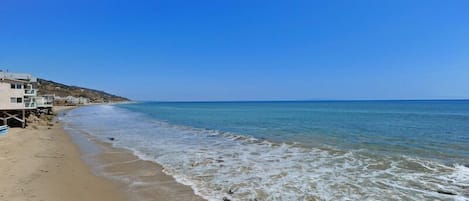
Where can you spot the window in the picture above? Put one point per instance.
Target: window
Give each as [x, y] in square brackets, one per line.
[16, 100]
[16, 86]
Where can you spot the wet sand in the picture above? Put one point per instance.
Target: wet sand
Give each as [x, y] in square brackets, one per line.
[145, 180]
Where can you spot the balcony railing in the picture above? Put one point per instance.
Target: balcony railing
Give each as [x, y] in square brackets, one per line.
[44, 104]
[30, 92]
[29, 104]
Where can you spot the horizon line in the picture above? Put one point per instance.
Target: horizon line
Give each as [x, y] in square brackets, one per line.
[297, 100]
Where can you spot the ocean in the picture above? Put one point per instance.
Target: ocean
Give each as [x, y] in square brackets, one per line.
[296, 150]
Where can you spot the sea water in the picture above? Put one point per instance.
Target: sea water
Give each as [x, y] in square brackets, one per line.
[299, 150]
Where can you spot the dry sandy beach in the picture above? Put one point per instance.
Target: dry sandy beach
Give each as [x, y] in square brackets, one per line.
[43, 163]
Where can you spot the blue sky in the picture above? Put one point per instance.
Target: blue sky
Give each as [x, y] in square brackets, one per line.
[243, 50]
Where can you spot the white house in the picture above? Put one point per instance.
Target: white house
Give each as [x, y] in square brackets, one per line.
[72, 100]
[17, 91]
[17, 96]
[83, 101]
[45, 101]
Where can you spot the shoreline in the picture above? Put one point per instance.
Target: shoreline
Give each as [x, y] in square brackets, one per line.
[139, 179]
[142, 179]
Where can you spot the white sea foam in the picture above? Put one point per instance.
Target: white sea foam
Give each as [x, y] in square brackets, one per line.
[218, 164]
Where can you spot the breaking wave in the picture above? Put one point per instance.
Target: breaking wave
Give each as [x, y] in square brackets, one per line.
[218, 164]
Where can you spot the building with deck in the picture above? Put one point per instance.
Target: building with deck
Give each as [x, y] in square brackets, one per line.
[45, 103]
[17, 97]
[71, 100]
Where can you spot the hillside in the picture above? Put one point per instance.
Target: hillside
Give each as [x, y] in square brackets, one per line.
[96, 96]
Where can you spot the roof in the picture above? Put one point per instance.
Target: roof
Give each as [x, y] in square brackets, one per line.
[11, 80]
[18, 76]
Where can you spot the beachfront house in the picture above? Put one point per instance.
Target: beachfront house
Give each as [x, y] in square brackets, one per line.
[83, 101]
[17, 97]
[45, 103]
[71, 100]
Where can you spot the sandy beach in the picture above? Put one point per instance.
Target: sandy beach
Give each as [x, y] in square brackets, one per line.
[41, 162]
[44, 164]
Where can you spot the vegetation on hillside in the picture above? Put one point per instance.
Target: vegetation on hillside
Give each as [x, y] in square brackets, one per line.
[50, 87]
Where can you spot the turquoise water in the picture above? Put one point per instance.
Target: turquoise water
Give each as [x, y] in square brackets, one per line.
[318, 150]
[433, 129]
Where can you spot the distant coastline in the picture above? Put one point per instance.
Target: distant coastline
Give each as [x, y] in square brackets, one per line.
[63, 90]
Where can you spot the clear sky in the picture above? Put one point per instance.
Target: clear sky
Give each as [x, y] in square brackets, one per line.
[243, 50]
